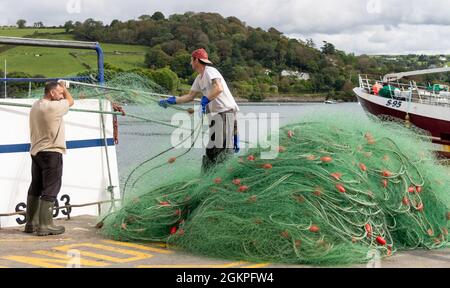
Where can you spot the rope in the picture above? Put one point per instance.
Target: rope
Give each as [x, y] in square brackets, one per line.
[110, 187]
[162, 153]
[103, 112]
[137, 92]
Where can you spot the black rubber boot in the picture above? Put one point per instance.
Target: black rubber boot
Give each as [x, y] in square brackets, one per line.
[32, 214]
[46, 226]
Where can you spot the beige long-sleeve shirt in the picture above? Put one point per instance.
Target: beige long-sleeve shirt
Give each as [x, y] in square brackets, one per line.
[47, 131]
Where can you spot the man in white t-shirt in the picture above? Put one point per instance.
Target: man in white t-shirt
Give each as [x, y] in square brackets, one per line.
[218, 103]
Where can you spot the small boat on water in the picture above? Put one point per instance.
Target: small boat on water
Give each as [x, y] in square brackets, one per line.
[427, 108]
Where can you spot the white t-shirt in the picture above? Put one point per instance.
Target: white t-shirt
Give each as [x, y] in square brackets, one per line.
[225, 101]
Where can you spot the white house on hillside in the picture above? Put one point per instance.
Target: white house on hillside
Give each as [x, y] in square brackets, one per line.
[300, 75]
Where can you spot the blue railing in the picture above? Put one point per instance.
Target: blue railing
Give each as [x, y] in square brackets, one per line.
[56, 44]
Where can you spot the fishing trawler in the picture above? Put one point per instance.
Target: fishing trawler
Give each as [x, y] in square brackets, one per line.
[427, 108]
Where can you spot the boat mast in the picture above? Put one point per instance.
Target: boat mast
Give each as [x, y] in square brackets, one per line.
[397, 76]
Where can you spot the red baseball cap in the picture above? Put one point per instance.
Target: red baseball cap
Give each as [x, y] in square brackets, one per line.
[202, 55]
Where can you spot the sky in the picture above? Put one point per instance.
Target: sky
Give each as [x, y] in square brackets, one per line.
[355, 26]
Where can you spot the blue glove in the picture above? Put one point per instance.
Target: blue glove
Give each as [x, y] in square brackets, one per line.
[236, 144]
[165, 102]
[205, 102]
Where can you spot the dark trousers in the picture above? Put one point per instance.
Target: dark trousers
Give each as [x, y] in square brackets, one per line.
[220, 146]
[46, 172]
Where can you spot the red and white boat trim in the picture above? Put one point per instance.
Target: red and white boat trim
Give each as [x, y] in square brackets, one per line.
[433, 118]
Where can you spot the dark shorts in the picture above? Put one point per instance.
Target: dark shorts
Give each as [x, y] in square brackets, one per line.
[46, 172]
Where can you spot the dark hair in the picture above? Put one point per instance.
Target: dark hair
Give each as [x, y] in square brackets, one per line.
[49, 86]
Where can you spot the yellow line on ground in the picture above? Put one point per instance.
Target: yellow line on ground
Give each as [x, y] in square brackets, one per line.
[161, 244]
[227, 265]
[3, 267]
[38, 262]
[138, 246]
[83, 262]
[137, 255]
[260, 265]
[34, 240]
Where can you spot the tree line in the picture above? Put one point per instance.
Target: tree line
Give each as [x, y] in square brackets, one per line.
[251, 59]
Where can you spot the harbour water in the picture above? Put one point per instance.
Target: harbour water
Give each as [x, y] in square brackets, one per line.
[141, 141]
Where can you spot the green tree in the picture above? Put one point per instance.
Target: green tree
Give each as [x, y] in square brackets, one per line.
[38, 24]
[328, 48]
[69, 26]
[90, 30]
[157, 16]
[181, 65]
[145, 17]
[156, 58]
[172, 47]
[310, 43]
[21, 23]
[166, 78]
[115, 23]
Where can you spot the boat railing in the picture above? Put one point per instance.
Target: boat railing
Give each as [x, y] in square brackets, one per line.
[408, 92]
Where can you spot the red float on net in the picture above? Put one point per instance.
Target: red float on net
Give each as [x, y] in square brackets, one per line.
[314, 229]
[381, 241]
[267, 166]
[243, 188]
[237, 181]
[326, 159]
[340, 188]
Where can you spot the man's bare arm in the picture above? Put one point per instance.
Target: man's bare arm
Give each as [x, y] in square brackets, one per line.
[67, 95]
[187, 98]
[217, 89]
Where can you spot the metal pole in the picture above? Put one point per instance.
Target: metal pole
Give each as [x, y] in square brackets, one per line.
[5, 78]
[47, 43]
[100, 65]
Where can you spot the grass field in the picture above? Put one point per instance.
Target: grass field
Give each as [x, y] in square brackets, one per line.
[56, 62]
[15, 32]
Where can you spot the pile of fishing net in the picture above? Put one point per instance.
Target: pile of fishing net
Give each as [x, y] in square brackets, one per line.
[339, 189]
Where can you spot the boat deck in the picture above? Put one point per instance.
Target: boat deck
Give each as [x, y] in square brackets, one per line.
[82, 238]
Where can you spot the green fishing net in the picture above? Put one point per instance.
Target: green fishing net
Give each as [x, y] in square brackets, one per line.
[340, 188]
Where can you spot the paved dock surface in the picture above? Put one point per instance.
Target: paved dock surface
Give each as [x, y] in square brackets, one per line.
[82, 239]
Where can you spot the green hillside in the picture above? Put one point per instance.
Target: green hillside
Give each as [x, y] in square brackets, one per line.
[54, 62]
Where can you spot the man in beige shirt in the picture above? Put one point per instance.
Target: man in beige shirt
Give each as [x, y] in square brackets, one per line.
[48, 143]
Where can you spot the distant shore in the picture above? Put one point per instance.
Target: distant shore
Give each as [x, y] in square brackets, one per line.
[287, 99]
